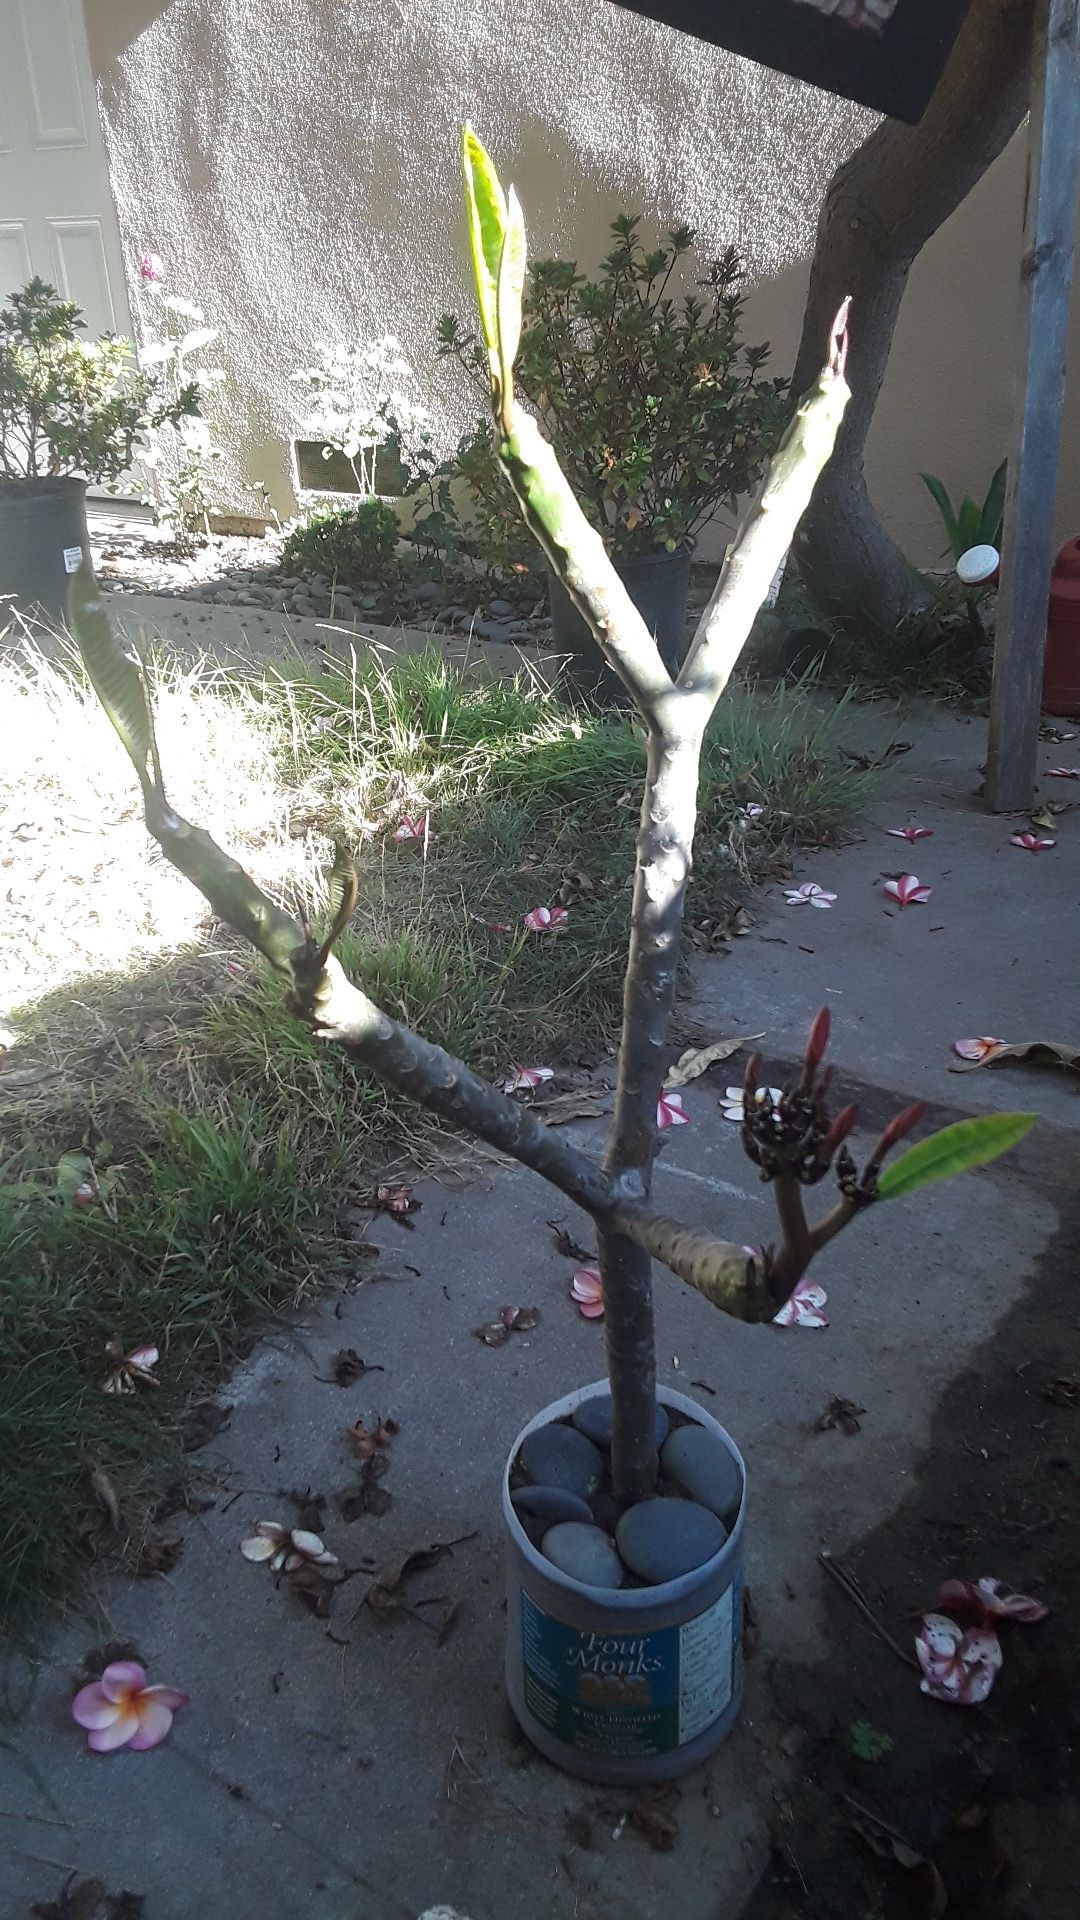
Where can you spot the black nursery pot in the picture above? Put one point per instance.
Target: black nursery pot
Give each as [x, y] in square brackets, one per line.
[43, 541]
[659, 585]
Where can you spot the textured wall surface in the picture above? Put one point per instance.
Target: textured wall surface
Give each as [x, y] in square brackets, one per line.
[296, 166]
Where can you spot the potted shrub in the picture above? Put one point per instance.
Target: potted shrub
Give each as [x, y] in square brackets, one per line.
[72, 411]
[660, 414]
[624, 1507]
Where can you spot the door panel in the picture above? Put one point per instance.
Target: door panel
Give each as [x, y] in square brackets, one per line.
[56, 213]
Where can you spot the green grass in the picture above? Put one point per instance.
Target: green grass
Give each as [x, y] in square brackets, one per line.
[933, 655]
[224, 1124]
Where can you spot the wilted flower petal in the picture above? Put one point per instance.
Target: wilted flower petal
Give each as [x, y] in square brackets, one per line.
[524, 1077]
[805, 1307]
[413, 826]
[910, 833]
[1063, 773]
[981, 1048]
[958, 1667]
[544, 919]
[991, 1598]
[908, 891]
[809, 895]
[1031, 842]
[670, 1112]
[586, 1291]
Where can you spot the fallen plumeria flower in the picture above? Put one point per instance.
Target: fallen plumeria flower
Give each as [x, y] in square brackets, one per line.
[805, 1307]
[958, 1667]
[1031, 842]
[809, 895]
[733, 1103]
[398, 1202]
[910, 833]
[524, 1077]
[286, 1548]
[982, 1047]
[130, 1370]
[908, 891]
[670, 1112]
[544, 919]
[587, 1293]
[991, 1600]
[752, 812]
[413, 826]
[366, 1440]
[120, 1710]
[1063, 773]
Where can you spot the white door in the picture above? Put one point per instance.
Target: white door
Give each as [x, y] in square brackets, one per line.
[56, 212]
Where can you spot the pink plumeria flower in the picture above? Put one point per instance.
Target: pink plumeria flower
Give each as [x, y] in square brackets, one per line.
[958, 1667]
[413, 826]
[670, 1112]
[991, 1599]
[733, 1104]
[523, 1077]
[120, 1710]
[152, 268]
[286, 1548]
[1063, 773]
[809, 895]
[130, 1370]
[911, 833]
[587, 1293]
[982, 1047]
[805, 1308]
[1031, 842]
[544, 919]
[908, 891]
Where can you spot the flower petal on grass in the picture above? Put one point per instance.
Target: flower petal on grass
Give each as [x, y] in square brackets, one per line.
[544, 919]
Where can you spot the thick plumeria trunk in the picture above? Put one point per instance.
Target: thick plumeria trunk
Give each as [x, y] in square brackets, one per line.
[881, 207]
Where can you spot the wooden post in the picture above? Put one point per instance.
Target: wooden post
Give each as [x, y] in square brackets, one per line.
[1045, 279]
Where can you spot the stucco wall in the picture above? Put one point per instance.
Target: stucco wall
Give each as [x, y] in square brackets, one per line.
[296, 166]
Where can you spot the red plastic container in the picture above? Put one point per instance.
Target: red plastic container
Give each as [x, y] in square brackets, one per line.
[1061, 674]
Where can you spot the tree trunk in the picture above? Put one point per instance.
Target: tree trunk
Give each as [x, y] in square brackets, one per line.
[881, 207]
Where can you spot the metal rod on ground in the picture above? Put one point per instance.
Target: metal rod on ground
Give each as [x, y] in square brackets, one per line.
[1045, 280]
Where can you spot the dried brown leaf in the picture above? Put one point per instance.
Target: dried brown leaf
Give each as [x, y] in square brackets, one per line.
[1040, 1052]
[839, 1413]
[348, 1366]
[567, 1245]
[580, 1103]
[206, 1418]
[365, 1439]
[105, 1493]
[698, 1060]
[159, 1553]
[125, 1906]
[309, 1509]
[493, 1333]
[312, 1590]
[652, 1814]
[79, 1900]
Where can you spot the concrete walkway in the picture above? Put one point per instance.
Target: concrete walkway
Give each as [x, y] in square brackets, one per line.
[366, 1773]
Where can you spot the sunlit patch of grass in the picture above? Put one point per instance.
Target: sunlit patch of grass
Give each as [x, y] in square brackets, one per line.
[142, 1024]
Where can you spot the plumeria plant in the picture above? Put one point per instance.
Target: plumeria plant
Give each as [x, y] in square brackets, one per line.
[181, 455]
[791, 1137]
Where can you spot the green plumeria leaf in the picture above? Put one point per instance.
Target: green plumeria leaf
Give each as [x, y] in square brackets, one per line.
[994, 508]
[112, 673]
[510, 291]
[970, 1143]
[342, 888]
[485, 204]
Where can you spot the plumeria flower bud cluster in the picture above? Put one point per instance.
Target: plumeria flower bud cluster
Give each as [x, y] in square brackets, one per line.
[791, 1131]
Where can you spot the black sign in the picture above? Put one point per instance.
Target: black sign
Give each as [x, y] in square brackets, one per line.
[888, 54]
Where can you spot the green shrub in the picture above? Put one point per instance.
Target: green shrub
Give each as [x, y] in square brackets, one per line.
[345, 544]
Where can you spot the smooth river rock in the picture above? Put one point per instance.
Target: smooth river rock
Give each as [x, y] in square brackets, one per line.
[585, 1553]
[704, 1469]
[661, 1539]
[550, 1504]
[559, 1456]
[593, 1418]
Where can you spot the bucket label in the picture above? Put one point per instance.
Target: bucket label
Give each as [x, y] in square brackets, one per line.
[72, 559]
[631, 1694]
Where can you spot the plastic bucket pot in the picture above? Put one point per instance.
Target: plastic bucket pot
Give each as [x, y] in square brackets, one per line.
[658, 584]
[43, 541]
[624, 1686]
